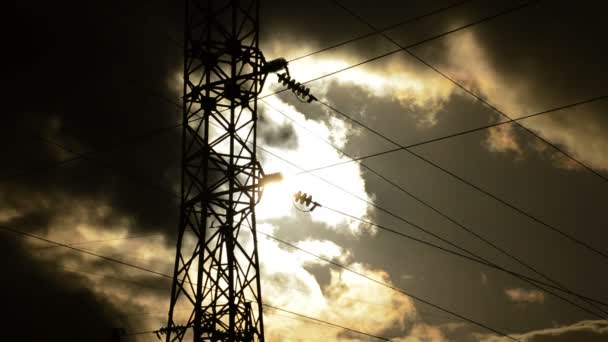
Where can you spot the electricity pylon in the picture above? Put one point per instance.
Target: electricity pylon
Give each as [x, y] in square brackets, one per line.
[216, 294]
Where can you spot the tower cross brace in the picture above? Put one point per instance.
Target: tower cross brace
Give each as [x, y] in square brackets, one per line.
[216, 295]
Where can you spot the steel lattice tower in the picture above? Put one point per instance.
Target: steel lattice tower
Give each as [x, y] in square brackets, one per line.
[215, 294]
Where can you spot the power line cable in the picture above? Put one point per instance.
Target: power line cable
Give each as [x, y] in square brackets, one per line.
[472, 255]
[479, 324]
[486, 103]
[340, 188]
[322, 321]
[462, 227]
[363, 36]
[162, 129]
[85, 155]
[469, 183]
[466, 257]
[469, 255]
[410, 223]
[124, 263]
[457, 134]
[19, 232]
[466, 229]
[384, 29]
[420, 42]
[128, 237]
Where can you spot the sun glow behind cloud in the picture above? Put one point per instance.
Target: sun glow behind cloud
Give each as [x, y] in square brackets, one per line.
[312, 151]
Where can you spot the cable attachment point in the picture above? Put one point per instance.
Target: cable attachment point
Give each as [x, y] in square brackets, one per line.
[297, 88]
[306, 201]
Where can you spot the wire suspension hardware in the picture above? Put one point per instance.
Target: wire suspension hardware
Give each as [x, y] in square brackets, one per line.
[297, 88]
[305, 200]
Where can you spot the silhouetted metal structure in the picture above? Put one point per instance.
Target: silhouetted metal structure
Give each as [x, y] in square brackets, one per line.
[216, 288]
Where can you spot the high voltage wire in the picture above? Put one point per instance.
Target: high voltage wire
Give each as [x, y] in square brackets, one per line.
[311, 320]
[485, 263]
[384, 29]
[121, 262]
[412, 45]
[340, 188]
[466, 257]
[58, 145]
[461, 226]
[468, 91]
[308, 320]
[128, 237]
[392, 287]
[363, 36]
[472, 256]
[165, 129]
[476, 187]
[513, 272]
[162, 129]
[85, 155]
[316, 320]
[334, 73]
[19, 232]
[322, 321]
[370, 203]
[428, 244]
[140, 268]
[468, 131]
[466, 229]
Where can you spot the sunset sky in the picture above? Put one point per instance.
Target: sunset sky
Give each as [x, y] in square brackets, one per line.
[89, 162]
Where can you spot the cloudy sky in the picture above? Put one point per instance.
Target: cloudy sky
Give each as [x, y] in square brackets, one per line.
[88, 161]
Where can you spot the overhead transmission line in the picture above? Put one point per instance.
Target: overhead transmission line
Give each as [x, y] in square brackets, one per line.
[484, 19]
[363, 36]
[384, 29]
[391, 287]
[328, 323]
[128, 237]
[19, 232]
[470, 92]
[466, 257]
[137, 181]
[471, 256]
[458, 224]
[412, 45]
[476, 187]
[58, 145]
[410, 223]
[453, 135]
[469, 183]
[308, 320]
[166, 128]
[466, 229]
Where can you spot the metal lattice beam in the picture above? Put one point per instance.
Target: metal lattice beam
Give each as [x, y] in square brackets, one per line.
[216, 288]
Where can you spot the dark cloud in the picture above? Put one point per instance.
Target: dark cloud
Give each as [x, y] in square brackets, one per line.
[44, 303]
[272, 134]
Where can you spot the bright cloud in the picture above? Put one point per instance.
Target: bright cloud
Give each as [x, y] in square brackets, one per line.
[519, 295]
